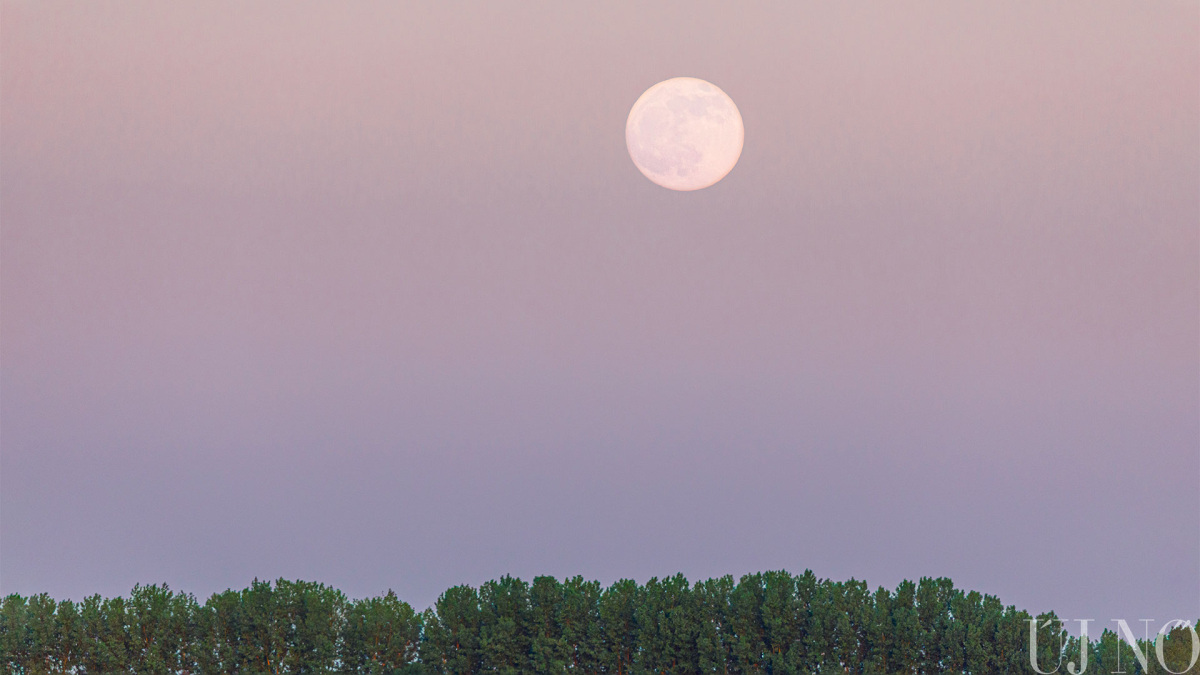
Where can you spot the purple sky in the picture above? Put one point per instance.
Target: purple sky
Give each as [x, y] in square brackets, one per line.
[373, 295]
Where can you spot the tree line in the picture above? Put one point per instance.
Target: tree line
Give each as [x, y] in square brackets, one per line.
[769, 623]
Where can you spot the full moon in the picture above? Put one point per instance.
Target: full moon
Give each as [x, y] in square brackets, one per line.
[684, 133]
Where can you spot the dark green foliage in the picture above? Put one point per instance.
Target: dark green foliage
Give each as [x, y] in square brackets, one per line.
[505, 635]
[16, 638]
[1177, 652]
[714, 646]
[578, 617]
[771, 623]
[106, 646]
[904, 630]
[667, 628]
[162, 627]
[452, 633]
[291, 627]
[381, 636]
[550, 651]
[618, 628]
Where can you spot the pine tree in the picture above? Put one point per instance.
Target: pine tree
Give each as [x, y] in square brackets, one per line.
[579, 618]
[505, 638]
[308, 621]
[667, 628]
[228, 631]
[452, 633]
[15, 637]
[748, 642]
[69, 635]
[381, 636]
[619, 644]
[160, 630]
[549, 650]
[1177, 652]
[715, 638]
[904, 630]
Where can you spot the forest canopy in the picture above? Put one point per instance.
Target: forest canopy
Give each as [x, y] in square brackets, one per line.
[765, 623]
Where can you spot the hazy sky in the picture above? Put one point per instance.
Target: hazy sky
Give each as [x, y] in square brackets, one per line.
[372, 294]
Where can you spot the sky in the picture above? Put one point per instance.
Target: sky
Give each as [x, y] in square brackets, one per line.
[373, 295]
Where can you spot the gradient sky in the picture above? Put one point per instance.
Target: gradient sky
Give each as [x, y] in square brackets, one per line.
[372, 294]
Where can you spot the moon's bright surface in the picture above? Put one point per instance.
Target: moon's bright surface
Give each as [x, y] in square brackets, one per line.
[684, 133]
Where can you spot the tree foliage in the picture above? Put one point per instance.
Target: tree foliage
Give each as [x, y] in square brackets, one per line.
[771, 623]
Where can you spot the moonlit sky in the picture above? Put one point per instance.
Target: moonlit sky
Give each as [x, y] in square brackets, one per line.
[372, 294]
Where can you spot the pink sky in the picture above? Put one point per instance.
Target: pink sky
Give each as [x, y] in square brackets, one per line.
[373, 295]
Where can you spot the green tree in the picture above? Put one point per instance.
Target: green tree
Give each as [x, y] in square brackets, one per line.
[227, 633]
[69, 634]
[161, 630]
[15, 637]
[853, 601]
[747, 629]
[261, 641]
[505, 637]
[1110, 654]
[904, 630]
[618, 627]
[877, 633]
[1010, 649]
[817, 612]
[308, 621]
[550, 652]
[106, 646]
[285, 627]
[1052, 641]
[579, 621]
[1177, 652]
[43, 634]
[715, 638]
[667, 627]
[942, 638]
[451, 642]
[382, 635]
[767, 623]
